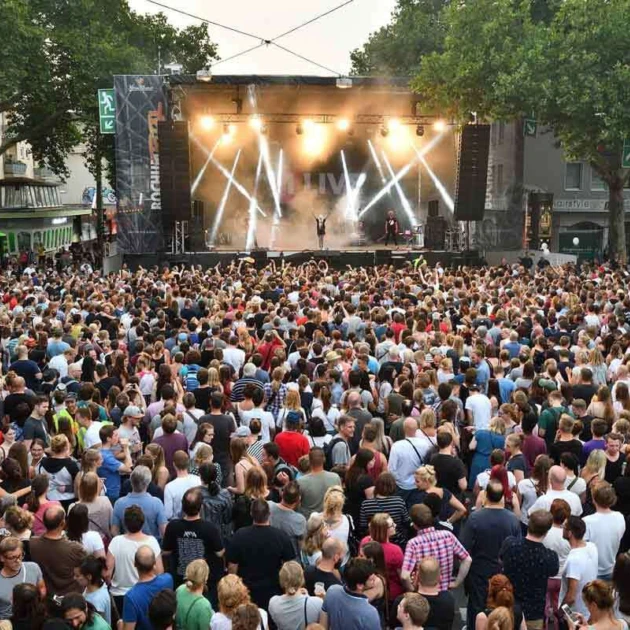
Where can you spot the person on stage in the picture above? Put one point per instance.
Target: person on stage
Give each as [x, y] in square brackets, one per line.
[391, 228]
[320, 221]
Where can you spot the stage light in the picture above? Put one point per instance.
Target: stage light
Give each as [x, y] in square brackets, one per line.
[264, 130]
[439, 126]
[344, 83]
[315, 140]
[226, 138]
[206, 122]
[256, 123]
[343, 124]
[299, 129]
[229, 130]
[308, 125]
[384, 131]
[393, 124]
[420, 130]
[205, 75]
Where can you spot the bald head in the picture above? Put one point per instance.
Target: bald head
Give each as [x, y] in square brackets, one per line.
[557, 477]
[144, 560]
[429, 571]
[354, 400]
[54, 519]
[410, 427]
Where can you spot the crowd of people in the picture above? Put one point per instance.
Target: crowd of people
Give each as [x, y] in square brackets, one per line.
[298, 447]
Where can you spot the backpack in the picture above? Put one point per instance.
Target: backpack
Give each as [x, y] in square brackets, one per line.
[217, 509]
[191, 382]
[328, 452]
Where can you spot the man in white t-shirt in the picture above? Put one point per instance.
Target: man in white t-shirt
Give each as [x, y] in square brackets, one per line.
[407, 456]
[175, 490]
[478, 409]
[91, 437]
[605, 529]
[557, 477]
[233, 355]
[265, 417]
[580, 567]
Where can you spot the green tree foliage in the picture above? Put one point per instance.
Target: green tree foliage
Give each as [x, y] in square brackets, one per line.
[416, 29]
[567, 62]
[58, 53]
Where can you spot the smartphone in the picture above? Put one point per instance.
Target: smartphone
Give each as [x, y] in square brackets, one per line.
[566, 609]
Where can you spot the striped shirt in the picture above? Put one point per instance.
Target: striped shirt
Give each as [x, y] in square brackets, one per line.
[256, 450]
[395, 507]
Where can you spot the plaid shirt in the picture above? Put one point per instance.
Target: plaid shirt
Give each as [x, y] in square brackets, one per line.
[439, 544]
[275, 403]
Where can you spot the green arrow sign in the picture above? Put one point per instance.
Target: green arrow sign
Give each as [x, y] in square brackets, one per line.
[529, 127]
[107, 110]
[625, 156]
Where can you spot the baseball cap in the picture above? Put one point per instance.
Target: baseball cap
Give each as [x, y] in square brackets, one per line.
[241, 432]
[133, 411]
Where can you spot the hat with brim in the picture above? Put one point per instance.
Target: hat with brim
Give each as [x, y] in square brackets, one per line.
[332, 356]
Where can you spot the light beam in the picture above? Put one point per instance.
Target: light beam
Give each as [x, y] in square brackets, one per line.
[204, 167]
[226, 193]
[448, 200]
[253, 216]
[377, 162]
[403, 199]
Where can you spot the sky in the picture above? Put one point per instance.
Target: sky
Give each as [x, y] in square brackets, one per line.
[327, 41]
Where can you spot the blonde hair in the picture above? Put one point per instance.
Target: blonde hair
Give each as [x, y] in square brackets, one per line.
[379, 526]
[291, 577]
[497, 426]
[500, 619]
[197, 573]
[204, 453]
[315, 534]
[231, 592]
[596, 463]
[334, 500]
[59, 443]
[292, 401]
[213, 377]
[427, 473]
[427, 419]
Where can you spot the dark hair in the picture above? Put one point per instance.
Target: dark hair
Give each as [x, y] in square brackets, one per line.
[621, 581]
[359, 466]
[494, 491]
[93, 568]
[76, 600]
[28, 605]
[444, 439]
[272, 450]
[358, 571]
[385, 485]
[576, 526]
[133, 519]
[291, 493]
[162, 609]
[191, 502]
[78, 522]
[570, 461]
[259, 511]
[540, 523]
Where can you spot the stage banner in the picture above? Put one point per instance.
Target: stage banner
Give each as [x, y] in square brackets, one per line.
[140, 105]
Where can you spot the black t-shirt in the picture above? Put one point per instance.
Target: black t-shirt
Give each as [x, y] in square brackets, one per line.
[585, 392]
[202, 398]
[586, 433]
[106, 384]
[613, 469]
[570, 446]
[355, 495]
[193, 540]
[441, 611]
[260, 551]
[13, 400]
[312, 575]
[224, 426]
[35, 428]
[448, 470]
[27, 370]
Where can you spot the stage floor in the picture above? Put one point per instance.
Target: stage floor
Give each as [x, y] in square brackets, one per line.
[366, 256]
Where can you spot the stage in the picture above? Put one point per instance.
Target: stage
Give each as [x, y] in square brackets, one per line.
[367, 256]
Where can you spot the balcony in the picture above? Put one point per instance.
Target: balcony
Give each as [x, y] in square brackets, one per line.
[43, 172]
[15, 169]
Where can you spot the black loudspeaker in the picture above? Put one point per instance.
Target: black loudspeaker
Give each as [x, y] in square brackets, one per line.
[174, 172]
[472, 173]
[434, 208]
[435, 233]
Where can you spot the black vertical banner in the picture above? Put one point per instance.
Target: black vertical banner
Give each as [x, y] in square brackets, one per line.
[140, 105]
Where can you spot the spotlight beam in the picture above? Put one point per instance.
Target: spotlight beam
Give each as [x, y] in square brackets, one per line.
[253, 217]
[377, 162]
[226, 193]
[401, 173]
[276, 217]
[401, 195]
[204, 167]
[352, 194]
[271, 177]
[237, 185]
[448, 200]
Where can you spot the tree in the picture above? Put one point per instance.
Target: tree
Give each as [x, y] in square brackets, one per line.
[565, 62]
[64, 52]
[416, 29]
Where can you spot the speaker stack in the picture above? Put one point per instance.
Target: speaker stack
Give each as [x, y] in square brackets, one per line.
[472, 173]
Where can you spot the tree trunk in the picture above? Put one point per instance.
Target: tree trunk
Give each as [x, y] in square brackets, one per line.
[616, 224]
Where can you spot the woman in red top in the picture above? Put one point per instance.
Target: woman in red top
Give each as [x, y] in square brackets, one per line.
[382, 527]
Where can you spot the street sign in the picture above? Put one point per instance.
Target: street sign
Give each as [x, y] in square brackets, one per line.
[107, 111]
[625, 156]
[529, 127]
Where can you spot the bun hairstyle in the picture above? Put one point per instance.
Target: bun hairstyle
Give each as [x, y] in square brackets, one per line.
[197, 574]
[291, 577]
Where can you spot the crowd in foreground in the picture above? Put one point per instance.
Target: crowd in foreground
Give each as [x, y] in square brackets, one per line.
[302, 448]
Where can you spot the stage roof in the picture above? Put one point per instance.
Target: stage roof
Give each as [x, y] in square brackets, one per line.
[395, 83]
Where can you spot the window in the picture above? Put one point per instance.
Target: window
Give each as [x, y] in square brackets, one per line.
[501, 132]
[597, 183]
[573, 176]
[494, 179]
[500, 179]
[24, 241]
